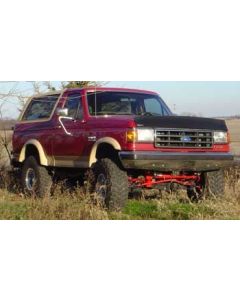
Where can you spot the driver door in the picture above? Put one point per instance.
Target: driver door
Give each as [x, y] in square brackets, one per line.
[70, 136]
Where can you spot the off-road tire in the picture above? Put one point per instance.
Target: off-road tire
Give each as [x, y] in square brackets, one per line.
[43, 184]
[117, 183]
[213, 185]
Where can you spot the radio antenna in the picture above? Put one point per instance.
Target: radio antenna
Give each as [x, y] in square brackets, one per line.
[95, 99]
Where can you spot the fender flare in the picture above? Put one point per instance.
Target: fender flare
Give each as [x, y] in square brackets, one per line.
[106, 140]
[42, 155]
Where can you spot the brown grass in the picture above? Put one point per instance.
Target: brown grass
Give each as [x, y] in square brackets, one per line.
[77, 206]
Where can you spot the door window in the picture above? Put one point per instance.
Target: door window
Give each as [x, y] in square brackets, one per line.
[74, 106]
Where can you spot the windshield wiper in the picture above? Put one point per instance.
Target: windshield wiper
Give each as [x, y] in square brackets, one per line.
[149, 114]
[114, 114]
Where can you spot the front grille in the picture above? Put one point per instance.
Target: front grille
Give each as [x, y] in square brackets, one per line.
[175, 138]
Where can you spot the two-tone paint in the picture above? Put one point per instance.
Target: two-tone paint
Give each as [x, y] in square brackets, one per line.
[78, 149]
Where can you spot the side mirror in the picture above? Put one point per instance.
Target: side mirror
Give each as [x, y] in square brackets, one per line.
[62, 112]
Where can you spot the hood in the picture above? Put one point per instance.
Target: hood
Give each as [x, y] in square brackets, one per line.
[176, 122]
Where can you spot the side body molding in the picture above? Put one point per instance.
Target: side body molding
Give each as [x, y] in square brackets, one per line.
[42, 155]
[106, 140]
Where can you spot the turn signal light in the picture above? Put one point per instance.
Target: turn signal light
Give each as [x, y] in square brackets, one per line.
[131, 136]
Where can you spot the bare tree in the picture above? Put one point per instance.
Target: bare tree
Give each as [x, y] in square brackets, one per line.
[11, 95]
[5, 137]
[79, 84]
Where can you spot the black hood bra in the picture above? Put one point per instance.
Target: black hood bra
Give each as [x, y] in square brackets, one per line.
[176, 122]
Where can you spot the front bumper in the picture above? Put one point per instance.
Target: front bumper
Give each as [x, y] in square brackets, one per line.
[177, 161]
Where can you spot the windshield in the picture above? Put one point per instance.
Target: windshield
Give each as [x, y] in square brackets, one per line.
[123, 103]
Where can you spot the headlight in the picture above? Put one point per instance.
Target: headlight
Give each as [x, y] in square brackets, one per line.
[145, 135]
[140, 135]
[220, 137]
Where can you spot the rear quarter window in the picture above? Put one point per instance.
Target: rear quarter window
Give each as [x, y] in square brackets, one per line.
[40, 108]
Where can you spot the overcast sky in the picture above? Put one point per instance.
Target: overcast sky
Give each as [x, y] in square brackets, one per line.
[204, 98]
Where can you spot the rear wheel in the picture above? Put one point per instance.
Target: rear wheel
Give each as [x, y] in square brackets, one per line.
[35, 179]
[108, 184]
[212, 185]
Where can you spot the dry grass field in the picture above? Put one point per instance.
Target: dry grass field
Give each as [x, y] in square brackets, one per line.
[5, 138]
[76, 205]
[234, 127]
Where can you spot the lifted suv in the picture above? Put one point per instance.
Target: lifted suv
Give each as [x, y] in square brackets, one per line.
[124, 139]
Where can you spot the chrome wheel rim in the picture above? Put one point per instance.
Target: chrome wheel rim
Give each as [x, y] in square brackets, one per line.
[101, 188]
[30, 179]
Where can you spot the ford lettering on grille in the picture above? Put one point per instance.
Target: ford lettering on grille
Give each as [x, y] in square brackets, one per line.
[175, 138]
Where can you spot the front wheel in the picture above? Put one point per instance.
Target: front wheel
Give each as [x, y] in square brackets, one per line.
[108, 184]
[212, 185]
[35, 179]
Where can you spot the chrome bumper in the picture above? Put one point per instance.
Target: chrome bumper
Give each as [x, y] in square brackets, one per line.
[177, 161]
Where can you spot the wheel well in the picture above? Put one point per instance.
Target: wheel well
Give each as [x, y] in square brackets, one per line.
[106, 150]
[31, 150]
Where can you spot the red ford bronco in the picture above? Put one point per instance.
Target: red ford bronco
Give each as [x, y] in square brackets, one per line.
[123, 139]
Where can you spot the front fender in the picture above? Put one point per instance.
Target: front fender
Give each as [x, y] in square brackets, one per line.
[106, 140]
